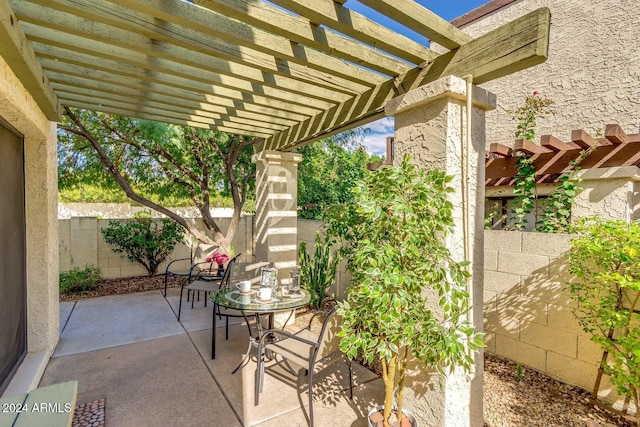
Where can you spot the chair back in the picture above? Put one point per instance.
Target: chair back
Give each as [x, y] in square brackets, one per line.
[328, 338]
[228, 273]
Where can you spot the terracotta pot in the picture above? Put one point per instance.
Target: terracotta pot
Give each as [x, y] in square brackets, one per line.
[409, 415]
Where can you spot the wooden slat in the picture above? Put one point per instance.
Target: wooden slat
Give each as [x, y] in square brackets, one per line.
[500, 150]
[17, 52]
[215, 25]
[97, 37]
[299, 30]
[529, 147]
[353, 24]
[350, 80]
[163, 109]
[515, 46]
[56, 57]
[186, 121]
[413, 15]
[116, 84]
[553, 143]
[583, 139]
[208, 103]
[615, 134]
[98, 104]
[167, 67]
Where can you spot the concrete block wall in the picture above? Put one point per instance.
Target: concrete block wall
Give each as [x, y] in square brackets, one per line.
[528, 310]
[81, 243]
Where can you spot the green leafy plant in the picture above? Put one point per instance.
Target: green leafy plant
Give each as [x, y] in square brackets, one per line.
[605, 260]
[317, 273]
[519, 372]
[535, 106]
[557, 212]
[395, 238]
[79, 279]
[144, 240]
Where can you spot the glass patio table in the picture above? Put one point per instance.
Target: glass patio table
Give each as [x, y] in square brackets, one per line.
[248, 304]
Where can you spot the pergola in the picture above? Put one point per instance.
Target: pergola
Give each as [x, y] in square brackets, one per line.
[286, 73]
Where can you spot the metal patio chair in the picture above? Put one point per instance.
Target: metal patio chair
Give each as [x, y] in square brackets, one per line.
[197, 263]
[305, 349]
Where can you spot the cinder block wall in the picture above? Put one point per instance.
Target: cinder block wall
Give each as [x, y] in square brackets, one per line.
[81, 243]
[528, 311]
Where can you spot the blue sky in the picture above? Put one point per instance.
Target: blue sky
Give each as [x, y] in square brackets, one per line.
[375, 141]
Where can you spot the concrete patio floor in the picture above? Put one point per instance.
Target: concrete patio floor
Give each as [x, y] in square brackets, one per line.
[156, 371]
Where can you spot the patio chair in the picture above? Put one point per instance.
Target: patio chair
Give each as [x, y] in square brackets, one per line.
[305, 349]
[198, 263]
[204, 281]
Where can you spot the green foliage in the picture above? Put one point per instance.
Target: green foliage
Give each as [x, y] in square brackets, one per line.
[557, 213]
[519, 372]
[606, 262]
[327, 174]
[317, 273]
[79, 279]
[395, 239]
[524, 191]
[535, 106]
[527, 115]
[144, 240]
[156, 164]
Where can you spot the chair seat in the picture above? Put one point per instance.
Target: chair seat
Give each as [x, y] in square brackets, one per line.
[293, 350]
[202, 285]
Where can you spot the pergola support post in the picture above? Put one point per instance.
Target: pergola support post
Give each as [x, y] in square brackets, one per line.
[431, 125]
[276, 210]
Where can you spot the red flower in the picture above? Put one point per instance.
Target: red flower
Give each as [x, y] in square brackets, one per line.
[535, 92]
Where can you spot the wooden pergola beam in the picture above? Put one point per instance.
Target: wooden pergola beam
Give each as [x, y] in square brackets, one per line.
[515, 46]
[353, 24]
[413, 15]
[17, 52]
[300, 30]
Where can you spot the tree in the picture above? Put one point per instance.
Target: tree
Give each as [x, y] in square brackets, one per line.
[139, 156]
[328, 171]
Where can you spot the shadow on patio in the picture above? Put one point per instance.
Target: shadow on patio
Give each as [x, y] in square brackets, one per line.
[155, 371]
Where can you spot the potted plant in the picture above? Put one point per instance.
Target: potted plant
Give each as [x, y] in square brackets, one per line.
[394, 240]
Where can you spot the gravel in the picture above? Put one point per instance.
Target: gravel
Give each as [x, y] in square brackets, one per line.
[513, 396]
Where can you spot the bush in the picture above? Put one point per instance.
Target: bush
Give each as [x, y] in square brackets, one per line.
[606, 262]
[79, 279]
[319, 272]
[144, 240]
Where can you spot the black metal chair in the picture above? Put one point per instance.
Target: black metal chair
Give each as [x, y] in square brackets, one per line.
[305, 349]
[197, 263]
[204, 280]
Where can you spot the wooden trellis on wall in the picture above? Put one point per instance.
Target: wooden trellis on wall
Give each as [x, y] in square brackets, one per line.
[552, 157]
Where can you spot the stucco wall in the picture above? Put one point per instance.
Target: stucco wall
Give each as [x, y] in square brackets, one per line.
[528, 310]
[18, 108]
[592, 73]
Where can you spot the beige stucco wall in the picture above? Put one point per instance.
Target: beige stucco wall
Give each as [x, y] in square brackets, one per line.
[528, 310]
[592, 73]
[19, 109]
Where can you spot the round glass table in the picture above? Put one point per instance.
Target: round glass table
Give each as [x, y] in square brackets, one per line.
[249, 304]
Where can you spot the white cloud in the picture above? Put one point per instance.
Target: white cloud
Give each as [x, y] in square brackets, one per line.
[384, 125]
[375, 142]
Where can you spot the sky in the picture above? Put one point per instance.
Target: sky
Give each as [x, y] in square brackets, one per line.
[375, 140]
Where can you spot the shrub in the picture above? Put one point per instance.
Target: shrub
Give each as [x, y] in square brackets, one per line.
[317, 273]
[606, 262]
[144, 240]
[79, 279]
